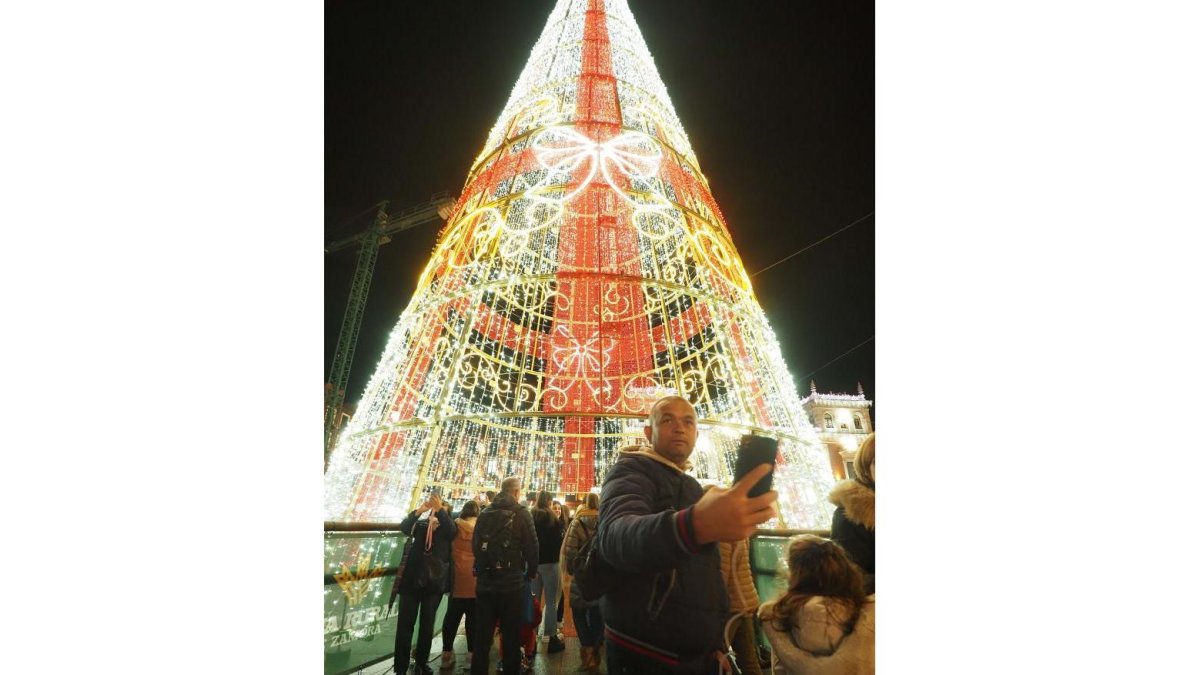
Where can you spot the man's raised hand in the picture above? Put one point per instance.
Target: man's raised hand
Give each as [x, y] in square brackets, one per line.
[729, 514]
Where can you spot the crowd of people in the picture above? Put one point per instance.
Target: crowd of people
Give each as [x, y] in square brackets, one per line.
[683, 598]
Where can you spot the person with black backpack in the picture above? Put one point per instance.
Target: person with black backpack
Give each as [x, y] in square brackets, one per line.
[589, 624]
[506, 560]
[422, 580]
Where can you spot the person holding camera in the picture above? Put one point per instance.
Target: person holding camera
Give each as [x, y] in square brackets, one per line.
[422, 580]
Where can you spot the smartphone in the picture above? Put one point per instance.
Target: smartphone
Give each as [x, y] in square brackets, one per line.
[755, 450]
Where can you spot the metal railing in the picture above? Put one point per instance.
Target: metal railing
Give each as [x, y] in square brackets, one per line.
[361, 561]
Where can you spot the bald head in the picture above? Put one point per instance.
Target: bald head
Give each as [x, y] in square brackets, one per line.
[511, 485]
[672, 429]
[657, 407]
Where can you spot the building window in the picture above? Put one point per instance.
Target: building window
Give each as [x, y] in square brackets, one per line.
[828, 421]
[858, 422]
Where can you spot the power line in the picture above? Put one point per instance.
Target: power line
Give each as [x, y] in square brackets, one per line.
[812, 245]
[838, 357]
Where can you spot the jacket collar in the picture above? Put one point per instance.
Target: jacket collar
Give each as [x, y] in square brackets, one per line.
[649, 453]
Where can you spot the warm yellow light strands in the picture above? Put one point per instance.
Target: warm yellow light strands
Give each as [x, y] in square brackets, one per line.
[585, 271]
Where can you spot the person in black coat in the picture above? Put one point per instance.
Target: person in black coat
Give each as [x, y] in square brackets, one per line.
[500, 594]
[423, 580]
[854, 519]
[548, 585]
[658, 529]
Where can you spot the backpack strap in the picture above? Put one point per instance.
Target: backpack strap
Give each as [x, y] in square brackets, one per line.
[587, 531]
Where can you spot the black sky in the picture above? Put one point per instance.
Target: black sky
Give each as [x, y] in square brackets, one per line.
[776, 97]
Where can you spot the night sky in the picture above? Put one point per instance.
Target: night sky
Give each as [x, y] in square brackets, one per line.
[777, 99]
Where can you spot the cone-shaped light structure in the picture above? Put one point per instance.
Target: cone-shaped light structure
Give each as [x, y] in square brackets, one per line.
[586, 271]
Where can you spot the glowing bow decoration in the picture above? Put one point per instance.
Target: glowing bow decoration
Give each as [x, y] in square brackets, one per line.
[633, 154]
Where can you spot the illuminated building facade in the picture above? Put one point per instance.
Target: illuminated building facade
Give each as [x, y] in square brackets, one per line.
[585, 271]
[842, 422]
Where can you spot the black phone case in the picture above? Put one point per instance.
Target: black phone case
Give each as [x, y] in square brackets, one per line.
[753, 451]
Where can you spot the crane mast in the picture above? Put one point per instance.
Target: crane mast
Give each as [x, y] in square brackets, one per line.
[377, 234]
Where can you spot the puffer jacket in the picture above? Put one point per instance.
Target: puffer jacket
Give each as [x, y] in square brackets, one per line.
[462, 584]
[739, 582]
[584, 522]
[854, 525]
[671, 601]
[816, 642]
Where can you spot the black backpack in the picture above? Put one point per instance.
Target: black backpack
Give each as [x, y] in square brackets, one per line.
[592, 574]
[495, 544]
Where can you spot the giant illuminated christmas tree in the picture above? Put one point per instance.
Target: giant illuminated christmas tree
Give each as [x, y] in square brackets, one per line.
[585, 272]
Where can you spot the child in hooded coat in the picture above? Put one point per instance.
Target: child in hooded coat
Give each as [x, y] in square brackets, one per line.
[824, 624]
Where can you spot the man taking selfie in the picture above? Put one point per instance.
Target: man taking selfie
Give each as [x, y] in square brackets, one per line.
[659, 530]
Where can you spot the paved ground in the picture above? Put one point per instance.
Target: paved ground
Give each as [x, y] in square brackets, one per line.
[562, 663]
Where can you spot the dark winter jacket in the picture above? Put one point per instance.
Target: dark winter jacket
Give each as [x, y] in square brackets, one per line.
[550, 535]
[507, 581]
[672, 598]
[427, 570]
[854, 525]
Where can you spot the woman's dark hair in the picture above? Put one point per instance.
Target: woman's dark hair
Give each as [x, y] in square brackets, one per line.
[469, 510]
[542, 515]
[563, 519]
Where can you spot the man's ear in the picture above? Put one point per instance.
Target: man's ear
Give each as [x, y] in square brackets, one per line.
[648, 431]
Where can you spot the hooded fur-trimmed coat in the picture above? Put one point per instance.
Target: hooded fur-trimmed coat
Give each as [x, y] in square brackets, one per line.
[816, 642]
[854, 524]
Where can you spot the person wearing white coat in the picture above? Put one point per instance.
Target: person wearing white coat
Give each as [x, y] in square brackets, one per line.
[823, 624]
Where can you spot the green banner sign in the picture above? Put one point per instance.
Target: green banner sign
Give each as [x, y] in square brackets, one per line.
[359, 569]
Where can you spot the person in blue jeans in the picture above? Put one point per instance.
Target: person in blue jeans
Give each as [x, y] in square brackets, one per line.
[589, 624]
[548, 584]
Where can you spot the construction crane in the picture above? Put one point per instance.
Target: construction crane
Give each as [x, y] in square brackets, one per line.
[377, 234]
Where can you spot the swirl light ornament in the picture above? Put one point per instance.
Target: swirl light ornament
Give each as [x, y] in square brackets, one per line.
[586, 271]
